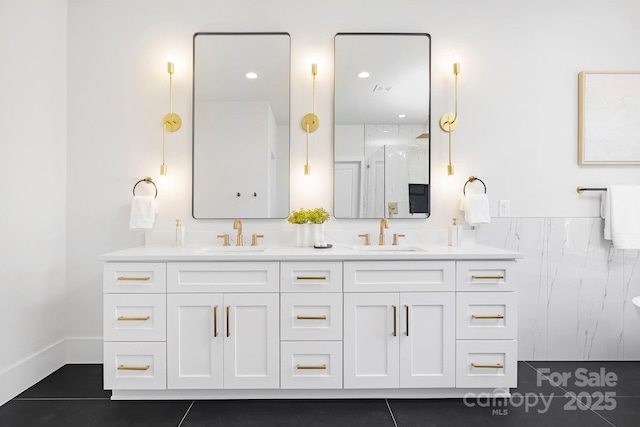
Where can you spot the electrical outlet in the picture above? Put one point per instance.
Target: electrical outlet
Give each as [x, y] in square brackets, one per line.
[504, 208]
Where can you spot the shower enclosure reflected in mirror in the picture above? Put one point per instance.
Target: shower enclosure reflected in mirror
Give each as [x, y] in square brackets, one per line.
[241, 125]
[382, 125]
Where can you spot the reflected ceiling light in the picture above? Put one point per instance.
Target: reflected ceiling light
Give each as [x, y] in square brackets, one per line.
[171, 122]
[363, 74]
[251, 75]
[402, 116]
[449, 121]
[310, 122]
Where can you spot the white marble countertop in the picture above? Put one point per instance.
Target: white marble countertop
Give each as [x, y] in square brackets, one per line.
[292, 253]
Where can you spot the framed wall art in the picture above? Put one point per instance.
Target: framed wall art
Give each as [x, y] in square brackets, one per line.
[609, 117]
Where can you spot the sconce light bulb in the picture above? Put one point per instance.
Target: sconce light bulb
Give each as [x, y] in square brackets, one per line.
[170, 66]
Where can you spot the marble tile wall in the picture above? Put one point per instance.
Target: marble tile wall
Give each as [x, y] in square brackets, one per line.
[574, 290]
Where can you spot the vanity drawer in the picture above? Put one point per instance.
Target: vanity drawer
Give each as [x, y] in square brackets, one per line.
[399, 276]
[311, 365]
[134, 317]
[311, 316]
[486, 315]
[311, 277]
[486, 364]
[223, 277]
[135, 277]
[135, 366]
[486, 275]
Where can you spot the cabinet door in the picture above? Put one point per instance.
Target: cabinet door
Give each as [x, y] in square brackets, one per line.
[194, 341]
[252, 341]
[427, 339]
[371, 334]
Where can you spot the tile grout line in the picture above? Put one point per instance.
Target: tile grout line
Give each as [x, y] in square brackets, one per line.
[186, 413]
[579, 402]
[391, 413]
[36, 399]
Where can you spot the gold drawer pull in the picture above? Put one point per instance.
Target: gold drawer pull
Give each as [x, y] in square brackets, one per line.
[143, 279]
[407, 318]
[134, 318]
[311, 277]
[323, 366]
[497, 277]
[496, 366]
[395, 320]
[215, 321]
[497, 316]
[133, 368]
[228, 331]
[311, 317]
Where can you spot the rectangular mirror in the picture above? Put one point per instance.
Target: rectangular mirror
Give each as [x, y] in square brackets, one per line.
[241, 125]
[382, 125]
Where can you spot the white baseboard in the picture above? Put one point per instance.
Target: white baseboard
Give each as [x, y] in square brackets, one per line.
[19, 377]
[84, 350]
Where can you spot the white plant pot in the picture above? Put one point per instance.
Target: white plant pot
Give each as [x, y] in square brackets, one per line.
[303, 235]
[317, 235]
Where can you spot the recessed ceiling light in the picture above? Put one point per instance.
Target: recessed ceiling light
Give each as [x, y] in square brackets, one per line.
[251, 75]
[363, 74]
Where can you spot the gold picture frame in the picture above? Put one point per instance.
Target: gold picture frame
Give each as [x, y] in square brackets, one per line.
[609, 118]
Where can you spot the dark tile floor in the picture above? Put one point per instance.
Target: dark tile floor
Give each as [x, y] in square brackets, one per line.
[548, 394]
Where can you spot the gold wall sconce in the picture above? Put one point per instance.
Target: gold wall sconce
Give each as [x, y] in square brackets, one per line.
[172, 121]
[449, 121]
[310, 122]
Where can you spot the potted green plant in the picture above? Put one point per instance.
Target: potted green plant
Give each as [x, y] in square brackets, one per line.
[309, 224]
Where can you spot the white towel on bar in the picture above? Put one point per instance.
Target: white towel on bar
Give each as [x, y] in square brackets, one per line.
[476, 209]
[622, 209]
[143, 213]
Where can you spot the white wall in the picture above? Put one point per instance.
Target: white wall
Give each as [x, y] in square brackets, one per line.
[33, 40]
[518, 108]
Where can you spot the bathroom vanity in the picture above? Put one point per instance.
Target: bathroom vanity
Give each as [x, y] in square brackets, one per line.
[286, 322]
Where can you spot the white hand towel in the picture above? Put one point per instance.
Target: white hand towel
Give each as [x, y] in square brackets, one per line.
[624, 215]
[476, 209]
[143, 212]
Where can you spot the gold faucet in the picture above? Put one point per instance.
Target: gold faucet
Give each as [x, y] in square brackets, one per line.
[383, 224]
[237, 225]
[254, 239]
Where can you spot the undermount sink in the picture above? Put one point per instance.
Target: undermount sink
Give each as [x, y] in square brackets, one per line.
[387, 249]
[231, 249]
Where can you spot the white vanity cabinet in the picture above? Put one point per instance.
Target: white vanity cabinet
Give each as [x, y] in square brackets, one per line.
[134, 326]
[309, 324]
[486, 324]
[399, 338]
[226, 339]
